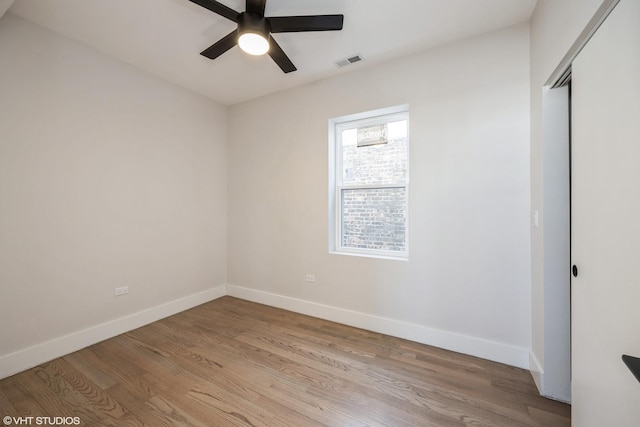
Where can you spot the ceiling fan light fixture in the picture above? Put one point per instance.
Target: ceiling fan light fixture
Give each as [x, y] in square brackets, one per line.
[253, 33]
[253, 43]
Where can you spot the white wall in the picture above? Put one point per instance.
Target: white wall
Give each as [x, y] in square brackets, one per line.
[467, 284]
[555, 26]
[108, 177]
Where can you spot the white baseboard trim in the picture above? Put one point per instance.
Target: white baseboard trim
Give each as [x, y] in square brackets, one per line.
[559, 393]
[485, 349]
[27, 358]
[537, 372]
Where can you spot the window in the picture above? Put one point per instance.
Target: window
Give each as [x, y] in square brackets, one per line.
[368, 183]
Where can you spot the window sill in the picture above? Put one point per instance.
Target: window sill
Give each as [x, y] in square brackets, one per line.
[403, 257]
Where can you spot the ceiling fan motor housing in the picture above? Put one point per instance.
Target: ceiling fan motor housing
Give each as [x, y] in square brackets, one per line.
[253, 23]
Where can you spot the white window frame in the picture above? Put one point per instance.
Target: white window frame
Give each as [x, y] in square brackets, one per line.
[336, 126]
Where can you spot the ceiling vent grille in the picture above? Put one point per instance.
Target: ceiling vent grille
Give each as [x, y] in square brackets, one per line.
[349, 61]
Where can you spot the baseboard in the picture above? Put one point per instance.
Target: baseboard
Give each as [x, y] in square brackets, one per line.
[485, 349]
[537, 372]
[27, 358]
[550, 390]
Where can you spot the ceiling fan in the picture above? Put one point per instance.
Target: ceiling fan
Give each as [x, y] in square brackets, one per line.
[253, 34]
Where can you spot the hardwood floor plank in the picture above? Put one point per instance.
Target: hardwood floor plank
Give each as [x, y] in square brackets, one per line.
[236, 363]
[20, 397]
[41, 392]
[139, 407]
[5, 405]
[87, 368]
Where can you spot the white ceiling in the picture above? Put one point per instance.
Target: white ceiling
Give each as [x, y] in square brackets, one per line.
[165, 37]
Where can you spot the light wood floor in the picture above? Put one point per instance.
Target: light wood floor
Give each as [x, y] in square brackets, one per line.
[235, 363]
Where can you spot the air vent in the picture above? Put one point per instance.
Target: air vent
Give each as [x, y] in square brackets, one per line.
[348, 61]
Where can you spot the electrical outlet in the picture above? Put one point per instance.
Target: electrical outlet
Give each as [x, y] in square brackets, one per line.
[123, 290]
[310, 278]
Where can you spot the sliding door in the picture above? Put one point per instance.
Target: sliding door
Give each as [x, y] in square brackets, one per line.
[606, 222]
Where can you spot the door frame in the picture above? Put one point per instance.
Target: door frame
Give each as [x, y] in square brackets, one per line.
[555, 379]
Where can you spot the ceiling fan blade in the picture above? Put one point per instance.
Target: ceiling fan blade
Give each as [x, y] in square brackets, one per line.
[293, 24]
[218, 8]
[256, 6]
[277, 54]
[221, 46]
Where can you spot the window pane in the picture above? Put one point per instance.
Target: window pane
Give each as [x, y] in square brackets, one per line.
[383, 162]
[374, 218]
